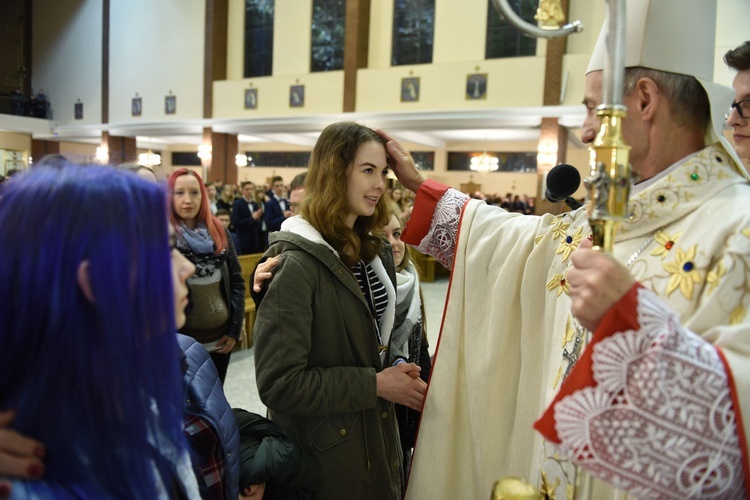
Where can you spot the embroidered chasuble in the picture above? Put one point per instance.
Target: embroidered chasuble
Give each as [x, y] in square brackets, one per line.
[508, 341]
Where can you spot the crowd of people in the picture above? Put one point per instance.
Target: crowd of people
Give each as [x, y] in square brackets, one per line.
[254, 211]
[522, 204]
[583, 372]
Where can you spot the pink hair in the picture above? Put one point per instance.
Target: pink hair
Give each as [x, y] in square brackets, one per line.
[214, 226]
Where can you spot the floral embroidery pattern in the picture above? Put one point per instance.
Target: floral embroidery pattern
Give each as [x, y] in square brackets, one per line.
[714, 277]
[665, 243]
[684, 273]
[570, 243]
[738, 315]
[660, 421]
[570, 332]
[558, 230]
[678, 188]
[440, 241]
[559, 283]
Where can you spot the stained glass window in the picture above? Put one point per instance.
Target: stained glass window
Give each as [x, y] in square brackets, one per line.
[413, 31]
[258, 37]
[424, 160]
[503, 40]
[327, 39]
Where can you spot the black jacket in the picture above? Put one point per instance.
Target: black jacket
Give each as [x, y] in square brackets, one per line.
[234, 289]
[248, 229]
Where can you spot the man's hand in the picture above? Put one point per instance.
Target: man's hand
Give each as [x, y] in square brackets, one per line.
[253, 492]
[20, 457]
[401, 384]
[401, 162]
[288, 213]
[263, 272]
[597, 282]
[225, 345]
[258, 214]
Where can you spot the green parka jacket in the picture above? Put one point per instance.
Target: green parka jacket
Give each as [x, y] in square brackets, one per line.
[316, 356]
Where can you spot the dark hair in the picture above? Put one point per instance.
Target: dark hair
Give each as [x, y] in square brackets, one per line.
[298, 181]
[739, 58]
[326, 183]
[134, 167]
[222, 211]
[688, 101]
[55, 160]
[245, 183]
[117, 355]
[277, 178]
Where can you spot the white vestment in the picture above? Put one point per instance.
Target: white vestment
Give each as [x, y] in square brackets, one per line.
[499, 359]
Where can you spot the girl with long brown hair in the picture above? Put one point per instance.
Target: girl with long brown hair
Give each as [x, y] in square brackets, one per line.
[323, 327]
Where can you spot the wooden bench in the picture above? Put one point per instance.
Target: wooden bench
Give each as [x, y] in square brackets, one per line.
[248, 263]
[427, 266]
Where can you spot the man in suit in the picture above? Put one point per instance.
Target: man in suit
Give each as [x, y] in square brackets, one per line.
[246, 219]
[277, 208]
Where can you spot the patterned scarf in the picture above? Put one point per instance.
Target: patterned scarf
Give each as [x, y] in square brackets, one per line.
[198, 247]
[407, 333]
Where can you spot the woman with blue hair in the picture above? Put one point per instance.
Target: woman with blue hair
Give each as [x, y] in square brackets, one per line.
[90, 363]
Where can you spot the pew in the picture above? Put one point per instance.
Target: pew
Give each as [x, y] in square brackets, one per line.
[427, 265]
[248, 263]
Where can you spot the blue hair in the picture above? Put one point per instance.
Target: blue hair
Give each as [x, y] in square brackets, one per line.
[99, 384]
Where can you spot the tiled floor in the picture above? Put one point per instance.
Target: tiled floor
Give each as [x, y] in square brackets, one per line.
[240, 383]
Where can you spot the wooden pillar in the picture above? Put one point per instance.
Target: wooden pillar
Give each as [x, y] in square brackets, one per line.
[356, 43]
[553, 139]
[121, 149]
[215, 53]
[105, 64]
[221, 166]
[28, 60]
[40, 148]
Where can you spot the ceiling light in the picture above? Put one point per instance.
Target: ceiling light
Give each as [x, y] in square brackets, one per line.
[484, 163]
[149, 159]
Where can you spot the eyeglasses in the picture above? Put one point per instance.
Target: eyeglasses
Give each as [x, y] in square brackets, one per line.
[742, 107]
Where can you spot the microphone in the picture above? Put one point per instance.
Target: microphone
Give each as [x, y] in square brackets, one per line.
[562, 181]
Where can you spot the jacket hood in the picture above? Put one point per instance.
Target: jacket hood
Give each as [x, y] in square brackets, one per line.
[299, 226]
[297, 231]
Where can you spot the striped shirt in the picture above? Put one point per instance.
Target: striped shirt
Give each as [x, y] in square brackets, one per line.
[372, 289]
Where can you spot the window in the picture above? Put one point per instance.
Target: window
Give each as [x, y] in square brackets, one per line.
[503, 40]
[509, 162]
[277, 158]
[185, 159]
[258, 37]
[328, 28]
[413, 31]
[424, 160]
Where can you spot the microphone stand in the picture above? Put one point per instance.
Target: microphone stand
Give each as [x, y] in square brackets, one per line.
[572, 203]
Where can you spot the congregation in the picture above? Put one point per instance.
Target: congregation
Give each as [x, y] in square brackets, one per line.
[586, 374]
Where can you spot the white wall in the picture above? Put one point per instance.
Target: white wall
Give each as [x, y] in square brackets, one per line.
[67, 55]
[155, 47]
[732, 17]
